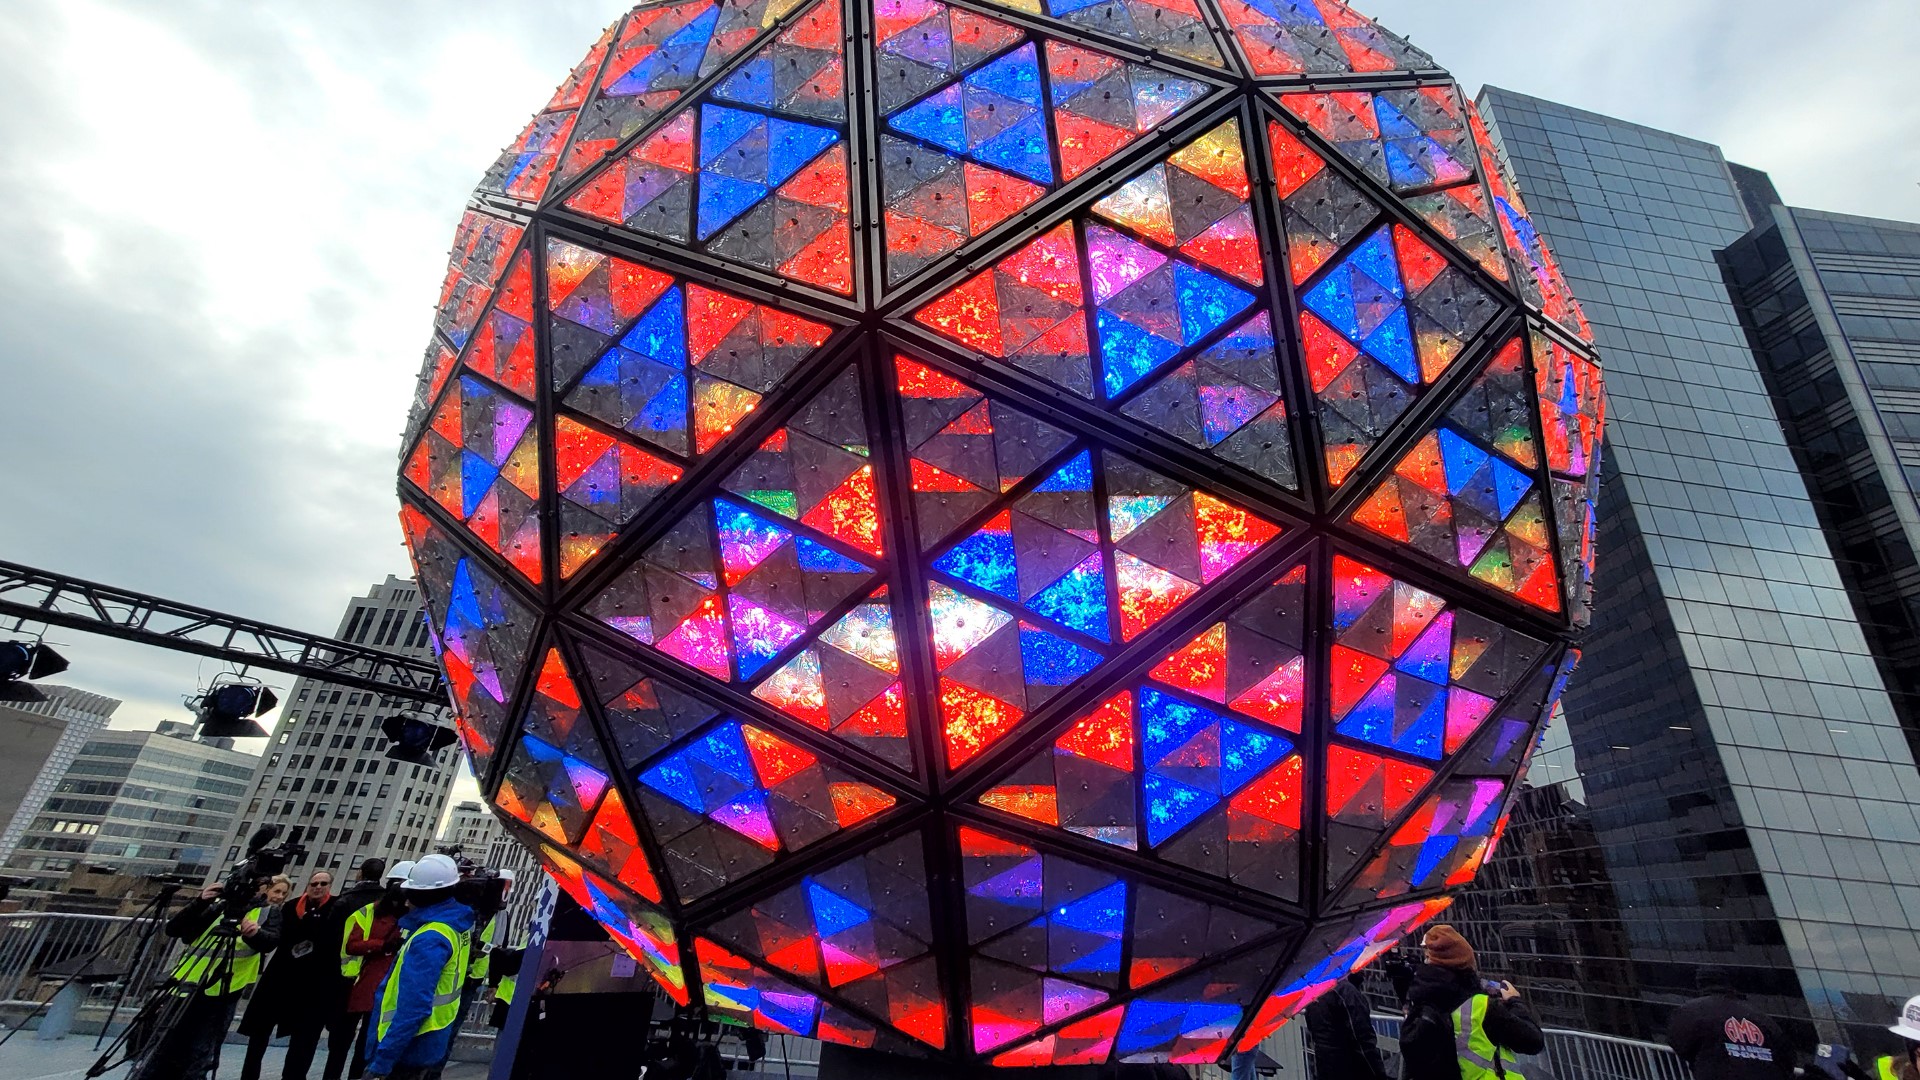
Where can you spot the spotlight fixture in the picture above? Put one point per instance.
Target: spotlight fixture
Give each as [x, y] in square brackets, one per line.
[415, 740]
[227, 710]
[23, 660]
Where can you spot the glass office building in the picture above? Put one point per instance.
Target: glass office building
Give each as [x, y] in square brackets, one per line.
[1832, 306]
[1732, 785]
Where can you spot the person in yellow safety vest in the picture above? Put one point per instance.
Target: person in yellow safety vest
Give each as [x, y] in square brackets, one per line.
[1903, 1066]
[1458, 1026]
[369, 938]
[214, 970]
[413, 1021]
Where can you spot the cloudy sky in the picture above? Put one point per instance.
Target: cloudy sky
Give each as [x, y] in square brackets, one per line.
[222, 226]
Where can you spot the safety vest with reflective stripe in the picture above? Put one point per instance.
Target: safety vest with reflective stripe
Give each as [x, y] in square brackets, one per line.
[362, 919]
[1479, 1058]
[203, 956]
[446, 991]
[1883, 1068]
[483, 949]
[504, 992]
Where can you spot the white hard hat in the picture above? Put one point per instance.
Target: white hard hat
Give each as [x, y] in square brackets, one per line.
[433, 872]
[1909, 1026]
[399, 871]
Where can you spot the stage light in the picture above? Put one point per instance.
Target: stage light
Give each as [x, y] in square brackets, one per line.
[415, 740]
[23, 660]
[1021, 531]
[226, 710]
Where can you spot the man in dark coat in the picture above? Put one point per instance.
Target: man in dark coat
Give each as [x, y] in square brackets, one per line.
[1722, 1036]
[342, 1024]
[1341, 1026]
[301, 986]
[1441, 986]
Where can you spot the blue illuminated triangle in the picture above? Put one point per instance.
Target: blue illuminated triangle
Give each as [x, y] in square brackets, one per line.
[477, 475]
[1206, 302]
[1051, 660]
[1021, 148]
[661, 334]
[1015, 75]
[1372, 719]
[791, 144]
[1245, 753]
[1375, 258]
[1332, 300]
[723, 198]
[1075, 475]
[720, 128]
[665, 412]
[984, 560]
[1079, 599]
[674, 779]
[726, 750]
[1102, 912]
[1510, 485]
[1461, 458]
[1391, 343]
[751, 84]
[1168, 723]
[833, 913]
[680, 53]
[939, 119]
[1394, 123]
[1172, 806]
[1128, 353]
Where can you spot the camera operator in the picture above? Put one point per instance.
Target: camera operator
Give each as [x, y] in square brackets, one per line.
[215, 969]
[414, 1021]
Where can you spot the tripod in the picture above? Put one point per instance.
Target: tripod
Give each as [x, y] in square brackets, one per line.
[209, 962]
[148, 920]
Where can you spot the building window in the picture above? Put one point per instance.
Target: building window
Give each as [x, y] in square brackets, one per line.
[304, 691]
[299, 782]
[306, 810]
[385, 790]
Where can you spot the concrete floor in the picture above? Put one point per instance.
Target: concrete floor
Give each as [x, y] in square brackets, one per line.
[27, 1058]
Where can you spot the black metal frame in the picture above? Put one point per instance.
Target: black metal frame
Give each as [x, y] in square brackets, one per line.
[871, 326]
[54, 599]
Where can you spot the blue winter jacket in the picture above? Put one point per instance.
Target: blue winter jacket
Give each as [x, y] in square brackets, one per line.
[419, 975]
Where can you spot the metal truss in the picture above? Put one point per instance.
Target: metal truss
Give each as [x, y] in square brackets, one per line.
[39, 596]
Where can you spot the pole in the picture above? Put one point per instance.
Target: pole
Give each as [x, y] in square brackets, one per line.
[506, 1045]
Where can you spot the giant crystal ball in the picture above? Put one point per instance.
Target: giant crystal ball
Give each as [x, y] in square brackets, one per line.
[1034, 536]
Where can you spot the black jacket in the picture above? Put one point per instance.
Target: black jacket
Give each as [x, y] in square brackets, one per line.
[1426, 1040]
[302, 985]
[1724, 1037]
[1341, 1026]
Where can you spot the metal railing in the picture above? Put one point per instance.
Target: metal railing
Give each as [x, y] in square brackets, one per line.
[40, 949]
[1569, 1055]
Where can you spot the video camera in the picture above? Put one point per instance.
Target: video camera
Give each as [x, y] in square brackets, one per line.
[482, 888]
[263, 861]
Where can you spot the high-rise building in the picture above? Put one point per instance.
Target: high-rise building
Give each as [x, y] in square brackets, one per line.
[469, 827]
[1735, 786]
[1831, 304]
[326, 779]
[140, 802]
[42, 739]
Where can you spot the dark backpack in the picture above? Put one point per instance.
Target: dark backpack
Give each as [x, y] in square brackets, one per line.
[1426, 1046]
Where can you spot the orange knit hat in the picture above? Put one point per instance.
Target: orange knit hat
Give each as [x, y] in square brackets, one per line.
[1446, 948]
